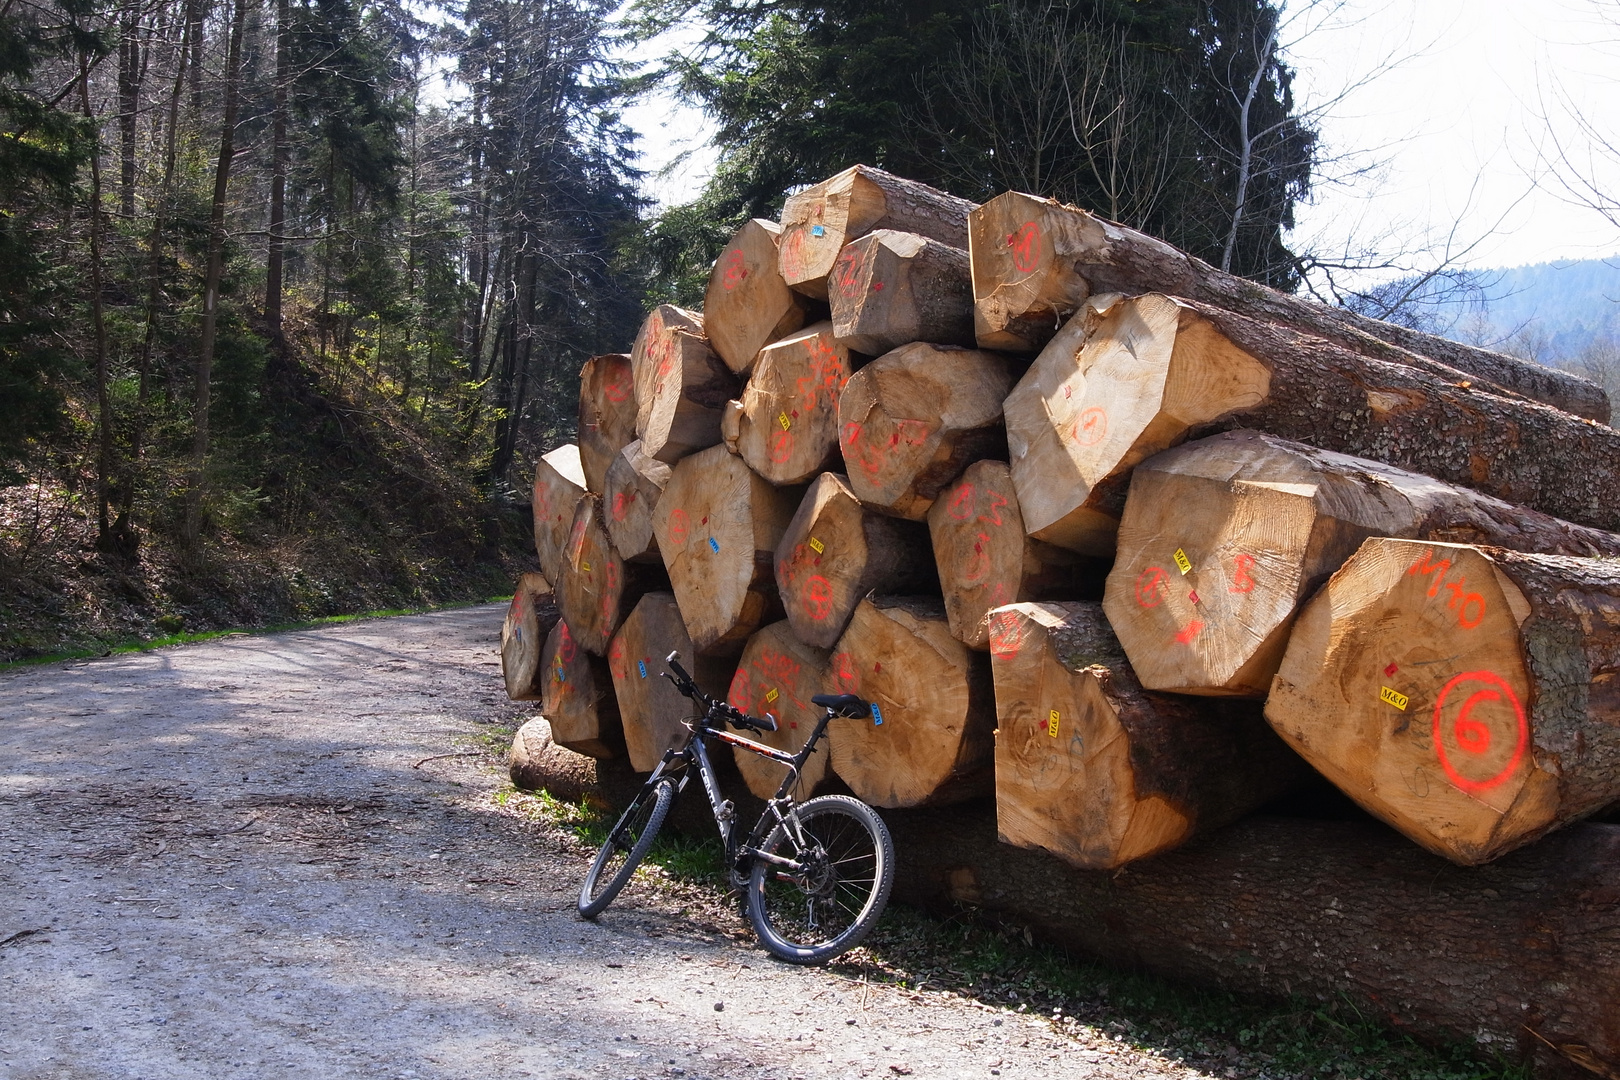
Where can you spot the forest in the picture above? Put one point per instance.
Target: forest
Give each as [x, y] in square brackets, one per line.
[293, 293]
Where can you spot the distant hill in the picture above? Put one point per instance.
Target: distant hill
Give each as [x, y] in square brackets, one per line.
[1553, 312]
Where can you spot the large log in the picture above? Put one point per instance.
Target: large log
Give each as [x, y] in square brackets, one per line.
[635, 483]
[718, 524]
[892, 288]
[787, 426]
[529, 619]
[1335, 910]
[835, 552]
[599, 588]
[559, 484]
[652, 710]
[1035, 260]
[537, 763]
[1259, 523]
[1099, 772]
[607, 414]
[913, 419]
[747, 304]
[681, 385]
[928, 739]
[779, 674]
[578, 699]
[1126, 379]
[986, 559]
[1464, 694]
[820, 220]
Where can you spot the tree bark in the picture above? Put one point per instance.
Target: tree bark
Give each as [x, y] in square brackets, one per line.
[748, 305]
[1100, 773]
[892, 288]
[529, 621]
[779, 674]
[1461, 693]
[1035, 259]
[635, 483]
[651, 707]
[718, 525]
[559, 484]
[598, 588]
[1261, 522]
[681, 385]
[277, 243]
[787, 422]
[607, 415]
[537, 763]
[818, 221]
[986, 560]
[835, 552]
[913, 419]
[928, 739]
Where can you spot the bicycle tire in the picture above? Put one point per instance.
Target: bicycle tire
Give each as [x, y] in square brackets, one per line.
[814, 917]
[638, 825]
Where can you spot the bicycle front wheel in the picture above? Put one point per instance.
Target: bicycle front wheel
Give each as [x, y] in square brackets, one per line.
[625, 847]
[830, 898]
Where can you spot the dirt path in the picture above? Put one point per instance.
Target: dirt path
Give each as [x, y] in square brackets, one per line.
[219, 861]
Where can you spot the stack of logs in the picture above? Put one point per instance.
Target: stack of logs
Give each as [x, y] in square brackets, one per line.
[1133, 546]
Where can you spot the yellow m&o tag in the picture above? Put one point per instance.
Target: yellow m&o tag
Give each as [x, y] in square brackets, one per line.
[1391, 697]
[1183, 563]
[817, 546]
[1052, 723]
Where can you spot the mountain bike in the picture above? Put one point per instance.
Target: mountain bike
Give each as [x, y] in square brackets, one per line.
[815, 876]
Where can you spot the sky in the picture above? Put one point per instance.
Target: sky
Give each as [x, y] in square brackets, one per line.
[1445, 101]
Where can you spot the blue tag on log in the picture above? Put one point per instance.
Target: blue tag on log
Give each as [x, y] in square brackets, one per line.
[877, 715]
[642, 664]
[714, 545]
[817, 230]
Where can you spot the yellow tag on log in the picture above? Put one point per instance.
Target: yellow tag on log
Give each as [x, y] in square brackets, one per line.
[817, 546]
[1385, 694]
[1183, 563]
[772, 696]
[585, 566]
[782, 418]
[1052, 723]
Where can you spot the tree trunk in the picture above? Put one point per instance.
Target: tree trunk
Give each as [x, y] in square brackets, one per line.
[559, 484]
[652, 709]
[835, 552]
[928, 739]
[718, 524]
[108, 538]
[1035, 259]
[1261, 522]
[818, 221]
[1154, 371]
[598, 588]
[578, 699]
[607, 415]
[1461, 693]
[779, 674]
[529, 621]
[278, 172]
[787, 424]
[1097, 771]
[634, 484]
[680, 385]
[892, 288]
[130, 70]
[986, 560]
[912, 420]
[748, 305]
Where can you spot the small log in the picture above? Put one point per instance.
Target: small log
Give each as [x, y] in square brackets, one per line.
[607, 415]
[779, 674]
[986, 559]
[1099, 772]
[1463, 694]
[747, 304]
[529, 618]
[578, 700]
[892, 288]
[681, 385]
[559, 484]
[1259, 523]
[598, 588]
[653, 711]
[912, 420]
[635, 482]
[718, 525]
[820, 220]
[537, 762]
[1034, 259]
[1126, 379]
[787, 420]
[835, 552]
[928, 740]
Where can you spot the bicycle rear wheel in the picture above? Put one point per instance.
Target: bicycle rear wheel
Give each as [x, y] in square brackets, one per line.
[828, 902]
[626, 845]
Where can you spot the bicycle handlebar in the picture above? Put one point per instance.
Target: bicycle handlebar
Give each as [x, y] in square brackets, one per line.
[725, 711]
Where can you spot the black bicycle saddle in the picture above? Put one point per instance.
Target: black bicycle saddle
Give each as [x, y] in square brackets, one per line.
[842, 704]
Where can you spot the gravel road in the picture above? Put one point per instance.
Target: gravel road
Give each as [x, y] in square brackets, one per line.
[225, 860]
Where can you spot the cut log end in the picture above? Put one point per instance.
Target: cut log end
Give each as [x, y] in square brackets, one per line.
[652, 710]
[529, 619]
[748, 305]
[681, 385]
[559, 484]
[634, 484]
[1024, 288]
[607, 414]
[891, 288]
[787, 420]
[578, 699]
[779, 674]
